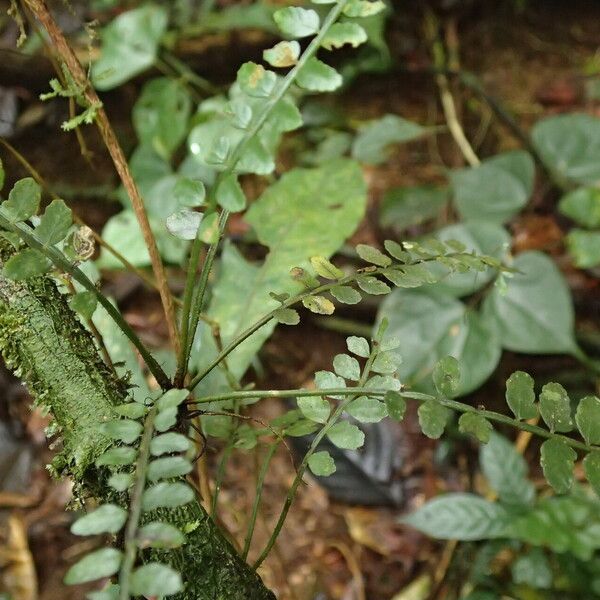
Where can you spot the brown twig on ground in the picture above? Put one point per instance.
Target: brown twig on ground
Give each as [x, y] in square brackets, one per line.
[67, 55]
[431, 27]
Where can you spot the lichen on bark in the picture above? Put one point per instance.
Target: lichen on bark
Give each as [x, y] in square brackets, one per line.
[45, 345]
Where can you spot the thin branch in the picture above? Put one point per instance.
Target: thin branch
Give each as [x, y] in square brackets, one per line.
[67, 55]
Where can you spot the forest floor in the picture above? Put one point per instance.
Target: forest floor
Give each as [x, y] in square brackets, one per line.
[535, 63]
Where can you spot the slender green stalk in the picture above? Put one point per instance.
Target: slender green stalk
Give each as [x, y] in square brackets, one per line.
[418, 396]
[230, 165]
[259, 488]
[135, 507]
[331, 421]
[28, 236]
[220, 475]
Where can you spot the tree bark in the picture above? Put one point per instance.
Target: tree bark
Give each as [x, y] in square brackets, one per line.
[44, 344]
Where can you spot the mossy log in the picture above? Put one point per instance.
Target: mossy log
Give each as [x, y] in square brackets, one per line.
[45, 345]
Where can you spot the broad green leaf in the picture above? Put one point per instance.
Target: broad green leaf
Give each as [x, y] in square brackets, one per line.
[476, 425]
[155, 579]
[172, 399]
[535, 314]
[96, 565]
[315, 408]
[120, 482]
[124, 430]
[184, 224]
[495, 190]
[563, 524]
[107, 518]
[131, 410]
[582, 206]
[322, 464]
[293, 218]
[124, 226]
[110, 592]
[363, 8]
[167, 495]
[129, 45]
[358, 345]
[346, 366]
[532, 569]
[340, 34]
[584, 247]
[319, 305]
[116, 457]
[520, 395]
[569, 145]
[316, 76]
[433, 326]
[480, 237]
[235, 16]
[346, 294]
[255, 80]
[506, 471]
[283, 54]
[55, 223]
[367, 410]
[169, 442]
[591, 466]
[464, 517]
[170, 466]
[555, 407]
[326, 268]
[166, 419]
[27, 263]
[406, 207]
[189, 192]
[373, 255]
[346, 436]
[296, 22]
[23, 200]
[159, 535]
[446, 376]
[161, 115]
[587, 418]
[433, 418]
[84, 303]
[558, 463]
[396, 405]
[371, 144]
